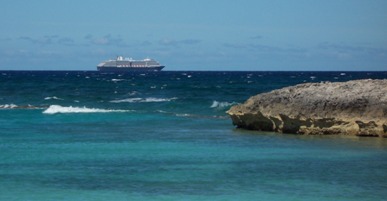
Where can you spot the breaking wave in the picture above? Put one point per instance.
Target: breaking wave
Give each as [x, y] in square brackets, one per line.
[55, 109]
[143, 100]
[53, 98]
[13, 106]
[8, 106]
[117, 80]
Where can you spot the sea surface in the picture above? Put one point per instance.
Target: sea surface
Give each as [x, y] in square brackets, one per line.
[165, 136]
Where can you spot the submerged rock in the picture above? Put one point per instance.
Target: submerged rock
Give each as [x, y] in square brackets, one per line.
[356, 107]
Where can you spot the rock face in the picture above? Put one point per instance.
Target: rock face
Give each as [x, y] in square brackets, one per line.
[356, 107]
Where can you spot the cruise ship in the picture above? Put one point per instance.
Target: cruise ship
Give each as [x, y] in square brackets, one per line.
[121, 64]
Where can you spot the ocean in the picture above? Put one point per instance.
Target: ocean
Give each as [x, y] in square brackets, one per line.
[87, 135]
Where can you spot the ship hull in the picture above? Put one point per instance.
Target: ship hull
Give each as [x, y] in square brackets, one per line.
[129, 69]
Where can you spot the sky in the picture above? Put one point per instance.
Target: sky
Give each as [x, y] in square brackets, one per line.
[243, 35]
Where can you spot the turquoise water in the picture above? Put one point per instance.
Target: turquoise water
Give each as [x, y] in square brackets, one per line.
[92, 136]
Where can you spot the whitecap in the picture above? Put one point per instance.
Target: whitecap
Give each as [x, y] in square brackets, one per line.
[133, 93]
[55, 109]
[221, 105]
[184, 115]
[162, 111]
[128, 100]
[52, 97]
[143, 100]
[117, 80]
[13, 106]
[8, 106]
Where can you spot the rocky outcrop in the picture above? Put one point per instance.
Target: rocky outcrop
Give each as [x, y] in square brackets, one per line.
[356, 107]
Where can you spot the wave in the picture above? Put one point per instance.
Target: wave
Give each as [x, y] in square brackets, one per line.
[221, 105]
[8, 106]
[13, 106]
[117, 80]
[55, 109]
[52, 97]
[143, 100]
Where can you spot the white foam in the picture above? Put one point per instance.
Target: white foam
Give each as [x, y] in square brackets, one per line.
[133, 93]
[162, 111]
[221, 105]
[8, 106]
[13, 106]
[54, 109]
[143, 100]
[52, 97]
[184, 115]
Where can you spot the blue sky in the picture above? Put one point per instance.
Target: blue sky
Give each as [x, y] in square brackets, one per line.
[195, 35]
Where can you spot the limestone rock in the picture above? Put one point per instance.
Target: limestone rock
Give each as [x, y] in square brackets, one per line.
[356, 107]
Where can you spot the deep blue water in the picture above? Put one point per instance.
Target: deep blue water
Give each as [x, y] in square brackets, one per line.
[165, 136]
